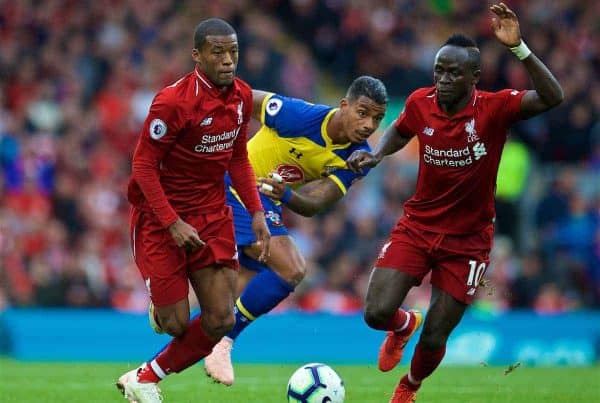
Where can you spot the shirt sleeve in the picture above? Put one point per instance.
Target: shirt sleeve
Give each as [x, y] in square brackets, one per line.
[511, 100]
[285, 114]
[344, 178]
[240, 170]
[158, 134]
[402, 123]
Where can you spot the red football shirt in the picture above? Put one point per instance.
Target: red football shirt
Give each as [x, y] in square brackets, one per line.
[192, 135]
[459, 158]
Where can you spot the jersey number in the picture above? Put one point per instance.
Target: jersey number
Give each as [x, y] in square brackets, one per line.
[475, 273]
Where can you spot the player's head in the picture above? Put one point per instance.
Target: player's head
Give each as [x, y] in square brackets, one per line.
[456, 69]
[216, 51]
[363, 108]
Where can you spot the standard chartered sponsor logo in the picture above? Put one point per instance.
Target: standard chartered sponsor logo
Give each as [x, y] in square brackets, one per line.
[453, 157]
[217, 142]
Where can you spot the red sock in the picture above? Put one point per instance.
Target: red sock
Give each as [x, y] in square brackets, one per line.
[398, 321]
[186, 350]
[424, 362]
[147, 375]
[407, 327]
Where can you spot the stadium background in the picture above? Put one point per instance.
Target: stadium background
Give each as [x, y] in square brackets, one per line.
[76, 81]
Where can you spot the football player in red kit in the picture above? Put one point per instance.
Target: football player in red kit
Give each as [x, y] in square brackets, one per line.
[447, 226]
[181, 229]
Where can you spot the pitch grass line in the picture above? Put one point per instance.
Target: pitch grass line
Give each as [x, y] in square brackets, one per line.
[25, 382]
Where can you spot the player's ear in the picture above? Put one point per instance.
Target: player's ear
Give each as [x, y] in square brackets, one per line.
[343, 103]
[476, 76]
[196, 55]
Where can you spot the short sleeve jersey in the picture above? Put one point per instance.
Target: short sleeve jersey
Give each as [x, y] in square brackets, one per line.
[193, 129]
[459, 158]
[293, 141]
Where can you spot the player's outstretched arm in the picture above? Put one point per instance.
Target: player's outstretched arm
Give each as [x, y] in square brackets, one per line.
[390, 142]
[308, 200]
[548, 92]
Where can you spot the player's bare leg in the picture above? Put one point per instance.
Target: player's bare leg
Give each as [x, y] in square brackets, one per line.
[171, 319]
[286, 261]
[445, 312]
[387, 289]
[214, 287]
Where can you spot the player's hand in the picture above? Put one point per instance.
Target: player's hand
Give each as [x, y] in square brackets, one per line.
[262, 233]
[273, 186]
[185, 236]
[360, 159]
[506, 25]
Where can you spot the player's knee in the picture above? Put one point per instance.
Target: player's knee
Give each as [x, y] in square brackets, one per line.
[377, 316]
[218, 324]
[173, 327]
[297, 274]
[294, 273]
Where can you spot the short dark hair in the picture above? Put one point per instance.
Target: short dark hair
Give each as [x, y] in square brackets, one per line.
[463, 41]
[370, 87]
[212, 26]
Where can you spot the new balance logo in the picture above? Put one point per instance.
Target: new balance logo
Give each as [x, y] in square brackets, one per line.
[206, 122]
[479, 150]
[470, 129]
[428, 131]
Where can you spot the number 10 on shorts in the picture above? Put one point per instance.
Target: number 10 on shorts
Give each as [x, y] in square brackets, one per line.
[475, 273]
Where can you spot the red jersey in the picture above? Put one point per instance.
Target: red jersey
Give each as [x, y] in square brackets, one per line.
[192, 135]
[459, 158]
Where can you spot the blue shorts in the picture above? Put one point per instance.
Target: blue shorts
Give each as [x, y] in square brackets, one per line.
[242, 221]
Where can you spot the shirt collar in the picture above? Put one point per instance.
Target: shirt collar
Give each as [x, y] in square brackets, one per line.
[204, 82]
[325, 134]
[468, 110]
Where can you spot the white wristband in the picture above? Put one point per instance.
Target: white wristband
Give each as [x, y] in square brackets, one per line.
[521, 51]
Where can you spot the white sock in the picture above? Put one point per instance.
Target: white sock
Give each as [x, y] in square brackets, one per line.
[157, 369]
[412, 380]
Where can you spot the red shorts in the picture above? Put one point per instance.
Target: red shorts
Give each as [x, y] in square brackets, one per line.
[165, 267]
[457, 262]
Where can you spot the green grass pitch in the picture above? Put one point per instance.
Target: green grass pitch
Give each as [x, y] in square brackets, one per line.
[93, 382]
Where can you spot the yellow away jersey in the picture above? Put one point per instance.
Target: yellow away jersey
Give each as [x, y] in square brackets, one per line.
[293, 142]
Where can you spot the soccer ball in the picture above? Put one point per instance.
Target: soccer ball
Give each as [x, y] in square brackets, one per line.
[315, 383]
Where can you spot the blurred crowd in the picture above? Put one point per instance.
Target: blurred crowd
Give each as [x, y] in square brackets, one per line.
[77, 78]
